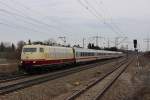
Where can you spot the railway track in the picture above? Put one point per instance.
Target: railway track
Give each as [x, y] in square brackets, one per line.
[10, 86]
[96, 89]
[19, 75]
[14, 77]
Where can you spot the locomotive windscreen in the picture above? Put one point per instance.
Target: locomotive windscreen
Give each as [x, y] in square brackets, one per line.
[29, 49]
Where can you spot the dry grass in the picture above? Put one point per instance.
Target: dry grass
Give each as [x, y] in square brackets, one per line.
[8, 66]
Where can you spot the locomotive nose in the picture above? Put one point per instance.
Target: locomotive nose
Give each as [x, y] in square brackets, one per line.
[27, 57]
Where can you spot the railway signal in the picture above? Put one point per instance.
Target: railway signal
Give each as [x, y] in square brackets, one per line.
[135, 44]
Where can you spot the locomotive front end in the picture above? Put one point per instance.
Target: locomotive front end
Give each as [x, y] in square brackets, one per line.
[32, 56]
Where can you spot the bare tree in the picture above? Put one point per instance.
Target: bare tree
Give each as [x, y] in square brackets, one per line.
[20, 45]
[2, 47]
[50, 42]
[29, 42]
[13, 47]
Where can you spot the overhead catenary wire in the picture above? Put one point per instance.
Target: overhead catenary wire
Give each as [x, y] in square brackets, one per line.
[16, 27]
[28, 9]
[17, 15]
[36, 22]
[20, 27]
[116, 29]
[30, 18]
[82, 4]
[100, 5]
[111, 25]
[90, 8]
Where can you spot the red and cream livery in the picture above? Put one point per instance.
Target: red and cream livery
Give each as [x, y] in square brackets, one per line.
[41, 55]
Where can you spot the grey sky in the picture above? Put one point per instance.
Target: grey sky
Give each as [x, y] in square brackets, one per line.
[43, 19]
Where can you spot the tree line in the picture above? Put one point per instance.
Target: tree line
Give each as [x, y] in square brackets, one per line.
[10, 50]
[92, 46]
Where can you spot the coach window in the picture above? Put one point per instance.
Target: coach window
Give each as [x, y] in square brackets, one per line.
[41, 50]
[82, 53]
[86, 54]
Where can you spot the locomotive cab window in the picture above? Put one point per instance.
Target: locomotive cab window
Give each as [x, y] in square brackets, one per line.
[41, 50]
[29, 49]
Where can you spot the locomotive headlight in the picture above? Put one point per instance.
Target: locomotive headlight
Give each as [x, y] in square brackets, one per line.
[34, 61]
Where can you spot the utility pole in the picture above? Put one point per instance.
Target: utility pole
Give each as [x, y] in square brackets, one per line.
[108, 43]
[116, 42]
[147, 40]
[63, 38]
[97, 37]
[127, 49]
[83, 42]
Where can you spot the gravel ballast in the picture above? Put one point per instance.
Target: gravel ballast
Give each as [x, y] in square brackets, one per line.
[56, 88]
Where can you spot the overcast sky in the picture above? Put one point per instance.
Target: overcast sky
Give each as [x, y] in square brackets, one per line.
[75, 19]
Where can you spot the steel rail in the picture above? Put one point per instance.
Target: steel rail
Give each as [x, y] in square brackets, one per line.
[100, 94]
[80, 92]
[14, 77]
[51, 76]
